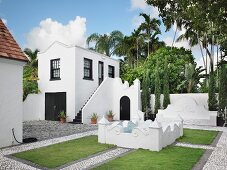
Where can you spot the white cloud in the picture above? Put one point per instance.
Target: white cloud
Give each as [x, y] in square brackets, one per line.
[169, 40]
[145, 8]
[138, 4]
[4, 21]
[48, 31]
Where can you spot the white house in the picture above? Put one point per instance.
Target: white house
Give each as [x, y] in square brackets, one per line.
[12, 61]
[68, 76]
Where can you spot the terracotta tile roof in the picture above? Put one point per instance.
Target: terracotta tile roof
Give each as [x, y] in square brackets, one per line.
[8, 46]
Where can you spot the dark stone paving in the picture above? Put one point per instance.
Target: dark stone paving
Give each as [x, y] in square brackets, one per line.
[43, 129]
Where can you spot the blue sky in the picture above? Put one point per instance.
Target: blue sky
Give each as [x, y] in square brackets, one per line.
[24, 19]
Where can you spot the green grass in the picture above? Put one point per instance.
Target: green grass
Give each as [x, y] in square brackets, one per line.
[59, 154]
[170, 158]
[203, 137]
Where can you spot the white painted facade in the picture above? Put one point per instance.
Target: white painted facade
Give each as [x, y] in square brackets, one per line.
[192, 107]
[107, 97]
[147, 135]
[78, 90]
[11, 98]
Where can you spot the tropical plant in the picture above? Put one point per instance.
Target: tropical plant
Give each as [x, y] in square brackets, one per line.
[110, 113]
[32, 56]
[106, 43]
[157, 91]
[166, 99]
[222, 96]
[212, 98]
[62, 114]
[94, 116]
[30, 73]
[146, 92]
[192, 78]
[150, 29]
[204, 21]
[176, 58]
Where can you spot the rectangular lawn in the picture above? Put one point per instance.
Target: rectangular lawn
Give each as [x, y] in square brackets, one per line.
[171, 158]
[203, 137]
[59, 154]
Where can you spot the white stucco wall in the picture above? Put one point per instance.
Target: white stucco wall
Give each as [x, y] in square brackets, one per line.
[67, 74]
[84, 88]
[107, 97]
[32, 107]
[11, 74]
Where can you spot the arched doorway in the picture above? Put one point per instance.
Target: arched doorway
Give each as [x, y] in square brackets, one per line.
[125, 108]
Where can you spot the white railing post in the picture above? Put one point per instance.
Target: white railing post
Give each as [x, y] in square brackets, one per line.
[102, 128]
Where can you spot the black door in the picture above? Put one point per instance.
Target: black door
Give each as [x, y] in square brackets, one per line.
[54, 103]
[125, 108]
[100, 72]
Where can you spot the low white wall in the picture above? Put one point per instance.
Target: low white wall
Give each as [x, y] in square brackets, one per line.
[148, 135]
[32, 107]
[193, 108]
[107, 97]
[11, 73]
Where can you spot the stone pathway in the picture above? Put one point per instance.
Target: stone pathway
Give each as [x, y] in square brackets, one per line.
[96, 160]
[194, 146]
[218, 158]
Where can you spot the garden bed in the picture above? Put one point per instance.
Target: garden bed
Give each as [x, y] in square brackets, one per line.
[59, 154]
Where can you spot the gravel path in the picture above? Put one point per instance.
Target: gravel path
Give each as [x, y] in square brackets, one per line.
[43, 129]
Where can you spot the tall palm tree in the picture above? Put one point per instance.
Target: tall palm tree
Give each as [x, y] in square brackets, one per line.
[105, 43]
[150, 29]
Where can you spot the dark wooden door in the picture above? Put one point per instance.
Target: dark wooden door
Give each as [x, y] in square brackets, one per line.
[100, 72]
[125, 108]
[54, 104]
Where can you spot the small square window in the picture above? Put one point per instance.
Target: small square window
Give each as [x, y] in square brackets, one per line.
[55, 69]
[111, 71]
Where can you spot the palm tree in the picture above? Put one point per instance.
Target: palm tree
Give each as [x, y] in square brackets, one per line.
[192, 77]
[32, 56]
[105, 44]
[30, 73]
[150, 29]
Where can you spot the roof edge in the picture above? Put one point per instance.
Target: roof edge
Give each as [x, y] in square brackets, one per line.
[16, 59]
[71, 46]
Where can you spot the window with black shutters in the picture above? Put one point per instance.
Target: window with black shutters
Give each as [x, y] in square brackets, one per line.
[87, 69]
[111, 71]
[55, 69]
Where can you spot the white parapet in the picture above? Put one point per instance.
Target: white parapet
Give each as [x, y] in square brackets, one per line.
[147, 135]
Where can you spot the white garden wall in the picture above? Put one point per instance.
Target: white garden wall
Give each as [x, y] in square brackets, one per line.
[193, 108]
[107, 97]
[32, 107]
[11, 73]
[147, 135]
